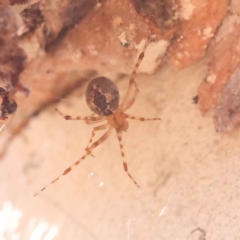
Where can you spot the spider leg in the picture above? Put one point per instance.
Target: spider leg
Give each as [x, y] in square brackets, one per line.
[131, 102]
[141, 118]
[69, 169]
[125, 167]
[93, 122]
[89, 122]
[132, 82]
[101, 127]
[89, 118]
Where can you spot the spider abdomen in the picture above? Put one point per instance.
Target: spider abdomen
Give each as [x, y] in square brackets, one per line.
[102, 96]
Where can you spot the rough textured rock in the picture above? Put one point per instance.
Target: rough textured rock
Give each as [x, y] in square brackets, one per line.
[223, 58]
[12, 59]
[198, 22]
[227, 112]
[62, 15]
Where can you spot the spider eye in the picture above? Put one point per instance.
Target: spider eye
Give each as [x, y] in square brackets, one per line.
[102, 96]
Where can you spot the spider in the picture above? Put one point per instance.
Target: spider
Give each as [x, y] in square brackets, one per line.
[102, 97]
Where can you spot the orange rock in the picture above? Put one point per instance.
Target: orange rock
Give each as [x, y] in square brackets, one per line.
[224, 57]
[199, 21]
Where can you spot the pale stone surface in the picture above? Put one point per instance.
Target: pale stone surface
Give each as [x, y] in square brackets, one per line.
[188, 173]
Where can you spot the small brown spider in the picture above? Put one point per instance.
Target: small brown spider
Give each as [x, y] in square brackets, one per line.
[102, 97]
